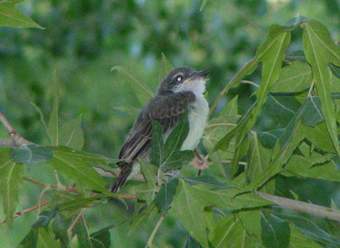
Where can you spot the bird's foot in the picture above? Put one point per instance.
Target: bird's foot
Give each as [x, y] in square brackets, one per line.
[199, 162]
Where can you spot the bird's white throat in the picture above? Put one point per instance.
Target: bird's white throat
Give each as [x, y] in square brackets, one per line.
[197, 115]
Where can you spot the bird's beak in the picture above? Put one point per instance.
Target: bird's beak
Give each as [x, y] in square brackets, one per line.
[200, 74]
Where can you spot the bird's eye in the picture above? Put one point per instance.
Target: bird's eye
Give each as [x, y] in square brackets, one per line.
[179, 78]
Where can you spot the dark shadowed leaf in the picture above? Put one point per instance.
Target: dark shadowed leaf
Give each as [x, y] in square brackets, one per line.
[312, 114]
[157, 144]
[166, 194]
[32, 154]
[101, 238]
[177, 136]
[275, 231]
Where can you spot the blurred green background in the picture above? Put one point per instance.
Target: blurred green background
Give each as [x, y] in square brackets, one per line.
[84, 39]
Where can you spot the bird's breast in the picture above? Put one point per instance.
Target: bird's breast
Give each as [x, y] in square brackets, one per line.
[197, 116]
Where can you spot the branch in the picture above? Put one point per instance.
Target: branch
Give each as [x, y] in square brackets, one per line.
[73, 189]
[17, 139]
[302, 207]
[41, 204]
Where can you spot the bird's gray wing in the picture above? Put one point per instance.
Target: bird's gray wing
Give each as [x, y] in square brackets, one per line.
[166, 109]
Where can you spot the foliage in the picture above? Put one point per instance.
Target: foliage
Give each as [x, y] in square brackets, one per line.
[283, 140]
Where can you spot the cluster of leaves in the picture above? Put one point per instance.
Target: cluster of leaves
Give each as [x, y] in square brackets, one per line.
[289, 130]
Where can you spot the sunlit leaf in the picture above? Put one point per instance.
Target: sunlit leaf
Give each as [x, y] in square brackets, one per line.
[191, 200]
[295, 77]
[78, 167]
[46, 239]
[11, 17]
[320, 50]
[10, 180]
[72, 134]
[239, 230]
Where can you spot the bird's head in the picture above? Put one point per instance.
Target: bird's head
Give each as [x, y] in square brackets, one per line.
[184, 79]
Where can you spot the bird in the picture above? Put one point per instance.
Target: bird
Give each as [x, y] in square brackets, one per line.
[181, 91]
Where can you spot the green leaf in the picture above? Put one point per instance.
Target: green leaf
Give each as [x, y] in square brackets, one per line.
[53, 128]
[46, 239]
[319, 136]
[72, 134]
[320, 50]
[157, 144]
[275, 231]
[239, 230]
[101, 238]
[82, 231]
[176, 138]
[191, 200]
[312, 114]
[271, 54]
[32, 154]
[166, 194]
[259, 159]
[177, 160]
[11, 17]
[76, 202]
[283, 150]
[247, 69]
[143, 93]
[189, 211]
[299, 240]
[79, 167]
[168, 155]
[10, 180]
[303, 167]
[294, 78]
[166, 67]
[142, 218]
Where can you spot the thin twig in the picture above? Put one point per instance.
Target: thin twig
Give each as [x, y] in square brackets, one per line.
[74, 223]
[17, 139]
[302, 207]
[149, 243]
[72, 189]
[41, 204]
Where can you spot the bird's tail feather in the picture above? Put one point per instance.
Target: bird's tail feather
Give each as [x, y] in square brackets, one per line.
[125, 170]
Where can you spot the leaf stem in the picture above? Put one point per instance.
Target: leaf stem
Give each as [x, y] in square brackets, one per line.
[40, 204]
[149, 243]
